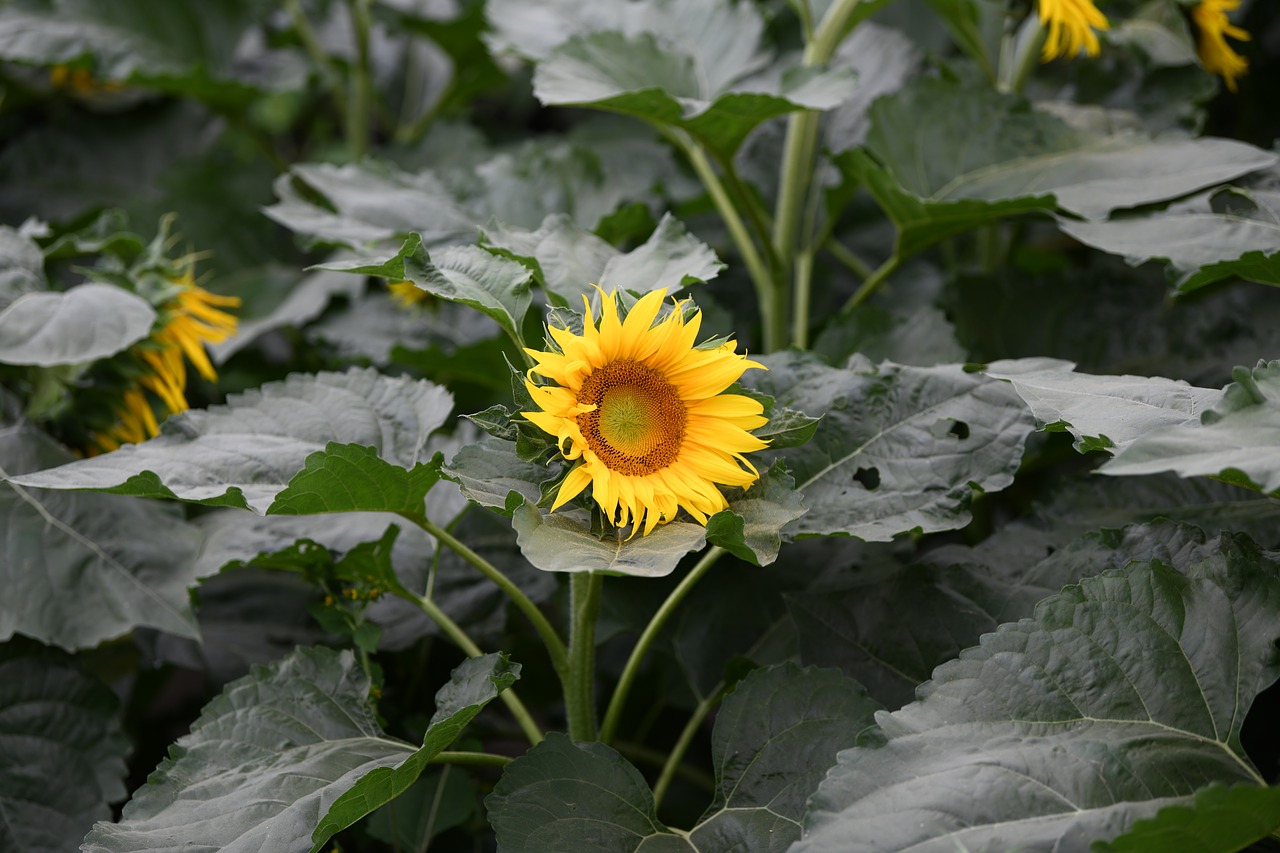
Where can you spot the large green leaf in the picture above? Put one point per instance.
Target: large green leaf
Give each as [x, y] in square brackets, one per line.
[21, 265]
[495, 286]
[474, 684]
[490, 473]
[884, 60]
[1121, 696]
[276, 297]
[1200, 248]
[63, 750]
[78, 569]
[353, 478]
[775, 736]
[270, 755]
[1221, 820]
[204, 456]
[1106, 412]
[899, 448]
[563, 541]
[85, 323]
[638, 75]
[1235, 441]
[751, 528]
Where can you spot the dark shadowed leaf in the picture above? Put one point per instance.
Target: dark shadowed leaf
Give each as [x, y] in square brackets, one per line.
[85, 323]
[268, 758]
[78, 569]
[200, 456]
[774, 738]
[63, 750]
[21, 265]
[1221, 820]
[1121, 696]
[898, 448]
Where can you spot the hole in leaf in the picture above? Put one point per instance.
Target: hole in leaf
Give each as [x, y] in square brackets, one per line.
[868, 477]
[960, 430]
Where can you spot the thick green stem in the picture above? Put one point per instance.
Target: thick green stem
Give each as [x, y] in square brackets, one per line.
[1024, 61]
[579, 687]
[312, 46]
[361, 83]
[800, 313]
[471, 759]
[632, 668]
[696, 719]
[869, 286]
[841, 253]
[774, 335]
[555, 646]
[454, 632]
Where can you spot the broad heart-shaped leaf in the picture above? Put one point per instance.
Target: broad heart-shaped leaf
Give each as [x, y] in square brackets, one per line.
[639, 75]
[570, 259]
[271, 755]
[1221, 820]
[78, 569]
[1121, 696]
[469, 275]
[245, 452]
[1200, 248]
[1107, 412]
[63, 750]
[85, 323]
[1236, 441]
[774, 737]
[751, 528]
[562, 541]
[474, 684]
[898, 448]
[353, 478]
[490, 473]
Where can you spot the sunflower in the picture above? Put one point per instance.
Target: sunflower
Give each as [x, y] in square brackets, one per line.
[406, 293]
[1071, 26]
[189, 319]
[1212, 28]
[641, 411]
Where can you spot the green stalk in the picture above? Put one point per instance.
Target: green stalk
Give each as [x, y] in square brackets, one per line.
[1024, 62]
[362, 84]
[613, 715]
[579, 688]
[696, 719]
[756, 268]
[471, 759]
[555, 646]
[800, 316]
[451, 629]
[841, 253]
[868, 287]
[799, 153]
[312, 45]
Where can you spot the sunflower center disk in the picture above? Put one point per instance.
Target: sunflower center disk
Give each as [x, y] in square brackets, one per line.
[638, 425]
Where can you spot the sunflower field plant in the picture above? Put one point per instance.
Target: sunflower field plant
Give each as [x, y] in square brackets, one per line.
[639, 425]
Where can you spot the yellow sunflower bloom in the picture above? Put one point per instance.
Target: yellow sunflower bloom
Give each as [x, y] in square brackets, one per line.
[1212, 28]
[1072, 25]
[137, 422]
[406, 293]
[641, 411]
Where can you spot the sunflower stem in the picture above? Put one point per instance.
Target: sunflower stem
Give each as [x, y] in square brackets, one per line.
[869, 285]
[470, 759]
[361, 83]
[672, 764]
[1025, 61]
[312, 46]
[555, 646]
[460, 638]
[629, 672]
[579, 687]
[767, 290]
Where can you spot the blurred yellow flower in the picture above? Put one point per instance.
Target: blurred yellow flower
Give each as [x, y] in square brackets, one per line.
[1212, 28]
[79, 81]
[137, 422]
[406, 293]
[642, 412]
[1072, 25]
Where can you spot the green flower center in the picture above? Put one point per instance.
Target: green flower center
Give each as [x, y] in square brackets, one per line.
[638, 425]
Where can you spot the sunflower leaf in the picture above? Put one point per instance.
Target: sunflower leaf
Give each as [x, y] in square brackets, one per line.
[562, 541]
[86, 323]
[353, 478]
[899, 448]
[491, 473]
[774, 737]
[1012, 745]
[1222, 819]
[64, 749]
[78, 569]
[751, 528]
[200, 457]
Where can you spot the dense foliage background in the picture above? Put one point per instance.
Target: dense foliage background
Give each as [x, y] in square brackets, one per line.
[1008, 579]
